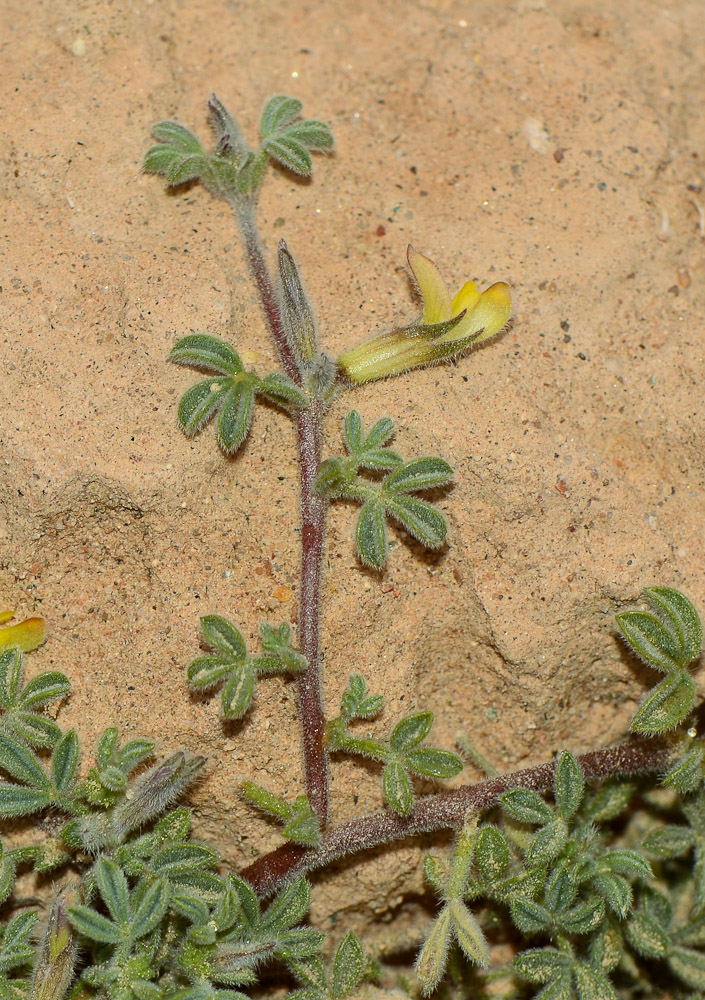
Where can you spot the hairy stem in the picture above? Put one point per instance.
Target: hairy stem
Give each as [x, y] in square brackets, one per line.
[439, 812]
[313, 513]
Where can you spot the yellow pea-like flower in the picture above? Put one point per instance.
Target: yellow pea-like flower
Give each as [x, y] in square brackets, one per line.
[448, 327]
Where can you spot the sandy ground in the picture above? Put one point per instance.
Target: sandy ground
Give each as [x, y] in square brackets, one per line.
[556, 145]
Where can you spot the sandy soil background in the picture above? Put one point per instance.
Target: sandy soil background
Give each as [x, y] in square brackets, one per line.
[556, 145]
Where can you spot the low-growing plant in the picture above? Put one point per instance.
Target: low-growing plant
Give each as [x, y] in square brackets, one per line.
[551, 888]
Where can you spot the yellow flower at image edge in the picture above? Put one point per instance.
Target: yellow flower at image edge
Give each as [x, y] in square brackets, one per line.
[27, 635]
[449, 326]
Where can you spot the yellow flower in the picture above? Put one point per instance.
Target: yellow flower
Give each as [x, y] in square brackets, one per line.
[448, 327]
[27, 635]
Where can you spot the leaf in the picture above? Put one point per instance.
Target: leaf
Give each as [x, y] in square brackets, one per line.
[178, 136]
[426, 524]
[371, 534]
[411, 731]
[113, 888]
[36, 730]
[290, 154]
[379, 434]
[491, 853]
[431, 962]
[223, 635]
[11, 674]
[279, 112]
[303, 829]
[200, 350]
[184, 169]
[179, 857]
[348, 966]
[64, 761]
[669, 841]
[615, 890]
[151, 909]
[289, 907]
[434, 763]
[311, 134]
[540, 965]
[547, 843]
[199, 403]
[649, 638]
[569, 785]
[583, 917]
[17, 800]
[353, 433]
[689, 966]
[207, 672]
[526, 806]
[48, 686]
[530, 917]
[247, 899]
[646, 935]
[592, 984]
[279, 389]
[470, 937]
[238, 692]
[682, 619]
[686, 775]
[22, 764]
[666, 705]
[396, 785]
[236, 415]
[419, 474]
[94, 925]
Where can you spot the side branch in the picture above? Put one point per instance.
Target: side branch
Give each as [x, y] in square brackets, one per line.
[444, 811]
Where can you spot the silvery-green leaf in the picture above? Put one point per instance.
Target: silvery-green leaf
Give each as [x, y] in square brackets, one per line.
[419, 474]
[469, 935]
[223, 635]
[348, 966]
[201, 350]
[411, 731]
[568, 785]
[431, 962]
[398, 792]
[238, 692]
[64, 761]
[371, 534]
[309, 133]
[113, 888]
[45, 687]
[235, 415]
[200, 402]
[669, 703]
[649, 638]
[19, 762]
[433, 762]
[290, 153]
[426, 524]
[178, 136]
[680, 617]
[279, 112]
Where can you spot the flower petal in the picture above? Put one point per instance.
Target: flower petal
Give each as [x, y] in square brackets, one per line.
[27, 635]
[491, 312]
[431, 285]
[466, 298]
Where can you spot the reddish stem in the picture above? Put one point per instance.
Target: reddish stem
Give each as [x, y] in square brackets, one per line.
[313, 512]
[440, 812]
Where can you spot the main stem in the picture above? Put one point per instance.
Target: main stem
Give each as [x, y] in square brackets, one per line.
[441, 812]
[313, 513]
